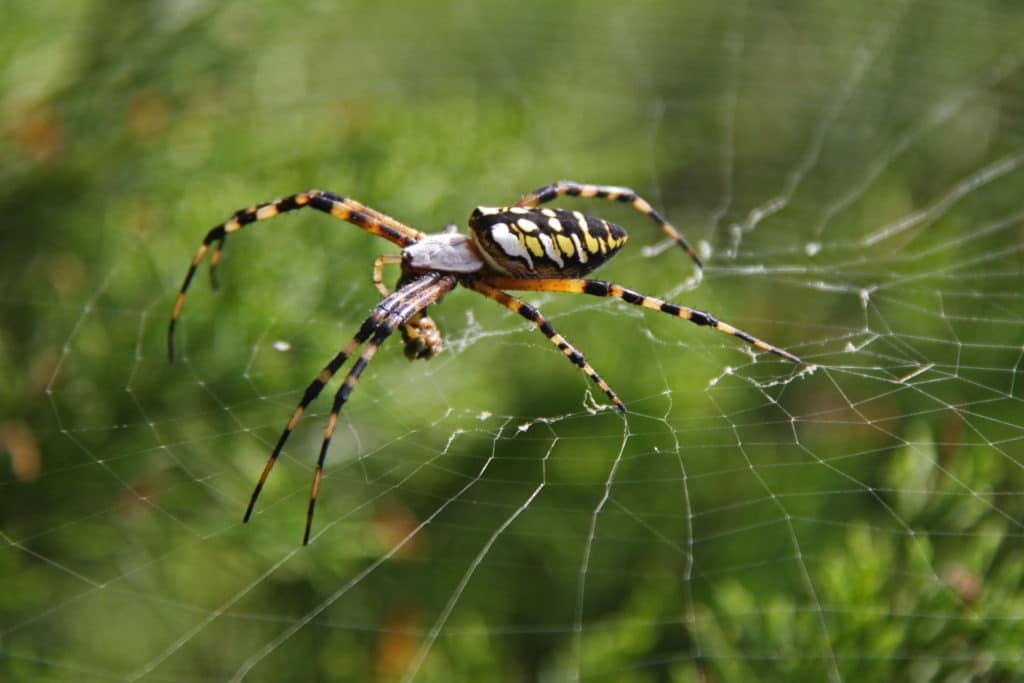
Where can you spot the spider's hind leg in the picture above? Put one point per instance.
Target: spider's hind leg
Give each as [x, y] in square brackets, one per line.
[613, 193]
[533, 315]
[612, 290]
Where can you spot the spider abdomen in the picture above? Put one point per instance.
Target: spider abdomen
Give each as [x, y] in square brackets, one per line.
[543, 243]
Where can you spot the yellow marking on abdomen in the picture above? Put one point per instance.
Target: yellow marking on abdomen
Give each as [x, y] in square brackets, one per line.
[534, 245]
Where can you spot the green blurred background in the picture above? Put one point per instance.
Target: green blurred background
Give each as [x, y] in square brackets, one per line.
[852, 173]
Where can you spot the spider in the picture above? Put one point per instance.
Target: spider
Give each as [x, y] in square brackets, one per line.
[521, 247]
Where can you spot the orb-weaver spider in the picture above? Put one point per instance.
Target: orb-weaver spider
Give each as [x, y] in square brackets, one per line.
[519, 247]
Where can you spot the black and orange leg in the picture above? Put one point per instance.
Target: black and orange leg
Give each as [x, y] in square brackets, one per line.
[610, 289]
[312, 391]
[378, 271]
[404, 304]
[610, 192]
[421, 336]
[340, 207]
[391, 313]
[533, 315]
[340, 398]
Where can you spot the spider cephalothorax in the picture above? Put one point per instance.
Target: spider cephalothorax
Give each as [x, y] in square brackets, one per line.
[521, 247]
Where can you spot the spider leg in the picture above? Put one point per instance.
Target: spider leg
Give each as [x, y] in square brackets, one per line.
[378, 271]
[394, 311]
[383, 331]
[214, 262]
[533, 315]
[420, 335]
[340, 207]
[610, 289]
[619, 194]
[409, 301]
[312, 391]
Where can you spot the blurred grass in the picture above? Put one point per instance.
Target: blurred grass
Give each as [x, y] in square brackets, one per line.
[131, 128]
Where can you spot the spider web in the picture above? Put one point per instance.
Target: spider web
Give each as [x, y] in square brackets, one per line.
[851, 173]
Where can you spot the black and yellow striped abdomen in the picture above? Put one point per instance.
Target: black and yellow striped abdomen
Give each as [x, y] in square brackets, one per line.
[543, 243]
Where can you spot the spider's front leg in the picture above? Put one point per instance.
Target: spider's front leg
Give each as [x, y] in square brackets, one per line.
[342, 208]
[421, 336]
[391, 313]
